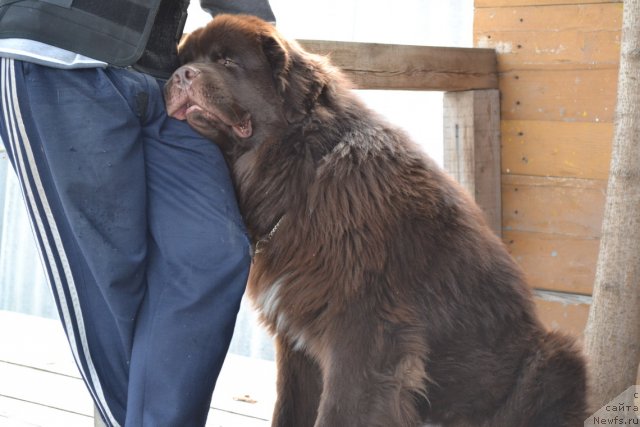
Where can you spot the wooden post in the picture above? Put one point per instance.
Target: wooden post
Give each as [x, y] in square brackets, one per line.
[472, 147]
[612, 334]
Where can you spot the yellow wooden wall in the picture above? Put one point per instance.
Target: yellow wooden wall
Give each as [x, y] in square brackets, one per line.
[558, 64]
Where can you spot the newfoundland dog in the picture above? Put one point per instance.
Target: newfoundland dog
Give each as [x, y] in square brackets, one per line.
[391, 301]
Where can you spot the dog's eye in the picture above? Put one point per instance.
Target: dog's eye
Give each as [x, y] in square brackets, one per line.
[226, 62]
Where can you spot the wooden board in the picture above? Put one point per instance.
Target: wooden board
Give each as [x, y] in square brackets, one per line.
[217, 418]
[49, 389]
[559, 19]
[562, 206]
[384, 66]
[496, 3]
[555, 262]
[563, 37]
[559, 95]
[18, 413]
[38, 379]
[567, 317]
[27, 340]
[533, 50]
[561, 149]
[246, 386]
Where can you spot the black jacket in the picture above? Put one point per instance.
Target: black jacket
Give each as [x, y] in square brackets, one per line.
[139, 33]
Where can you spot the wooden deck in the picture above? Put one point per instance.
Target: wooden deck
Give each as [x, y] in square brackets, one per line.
[40, 384]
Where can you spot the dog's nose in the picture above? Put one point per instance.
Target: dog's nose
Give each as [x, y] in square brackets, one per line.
[184, 75]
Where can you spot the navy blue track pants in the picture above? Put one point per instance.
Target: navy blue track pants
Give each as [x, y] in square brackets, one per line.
[139, 232]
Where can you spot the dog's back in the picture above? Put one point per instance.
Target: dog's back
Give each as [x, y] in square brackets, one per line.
[488, 361]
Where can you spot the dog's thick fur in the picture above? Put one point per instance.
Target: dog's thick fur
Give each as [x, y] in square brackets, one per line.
[391, 301]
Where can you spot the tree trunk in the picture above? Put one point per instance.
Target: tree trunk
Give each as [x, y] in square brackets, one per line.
[613, 329]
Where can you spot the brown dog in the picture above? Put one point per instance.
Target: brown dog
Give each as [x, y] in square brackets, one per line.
[391, 301]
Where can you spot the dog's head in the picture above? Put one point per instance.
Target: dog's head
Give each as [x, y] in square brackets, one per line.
[242, 78]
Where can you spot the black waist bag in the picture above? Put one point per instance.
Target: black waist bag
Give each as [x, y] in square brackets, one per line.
[139, 33]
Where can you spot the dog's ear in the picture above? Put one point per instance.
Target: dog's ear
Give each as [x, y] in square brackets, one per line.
[279, 60]
[299, 76]
[187, 48]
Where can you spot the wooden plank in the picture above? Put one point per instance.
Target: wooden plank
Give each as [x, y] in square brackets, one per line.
[555, 262]
[559, 95]
[561, 149]
[246, 386]
[217, 418]
[400, 67]
[36, 367]
[19, 413]
[569, 51]
[15, 412]
[35, 342]
[510, 3]
[45, 388]
[563, 206]
[562, 37]
[561, 18]
[472, 147]
[566, 316]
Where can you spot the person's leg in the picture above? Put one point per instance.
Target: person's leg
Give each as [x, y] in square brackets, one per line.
[74, 143]
[197, 269]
